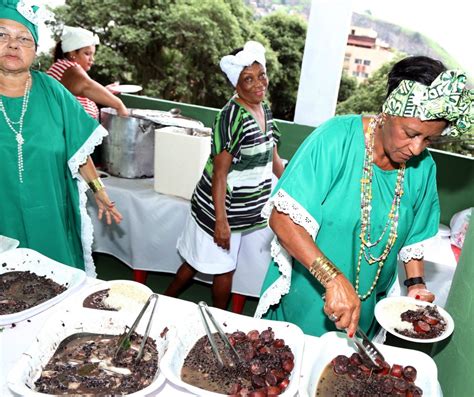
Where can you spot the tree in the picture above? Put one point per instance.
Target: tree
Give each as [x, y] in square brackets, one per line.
[286, 35]
[369, 96]
[346, 87]
[171, 48]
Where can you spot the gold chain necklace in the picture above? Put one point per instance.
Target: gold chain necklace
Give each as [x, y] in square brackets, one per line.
[366, 208]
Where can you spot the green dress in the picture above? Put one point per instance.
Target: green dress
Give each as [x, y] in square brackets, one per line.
[320, 190]
[47, 211]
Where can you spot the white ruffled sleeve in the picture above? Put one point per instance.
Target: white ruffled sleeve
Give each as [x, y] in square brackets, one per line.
[413, 251]
[284, 203]
[79, 158]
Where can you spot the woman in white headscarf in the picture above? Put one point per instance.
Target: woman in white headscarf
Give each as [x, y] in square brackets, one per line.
[236, 181]
[73, 58]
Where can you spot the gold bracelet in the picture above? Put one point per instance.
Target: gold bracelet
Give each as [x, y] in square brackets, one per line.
[324, 270]
[96, 185]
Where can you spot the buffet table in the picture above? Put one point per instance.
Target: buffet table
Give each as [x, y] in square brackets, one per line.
[15, 339]
[152, 222]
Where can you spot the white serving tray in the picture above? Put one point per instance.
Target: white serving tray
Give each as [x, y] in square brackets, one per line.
[64, 323]
[191, 329]
[25, 259]
[332, 344]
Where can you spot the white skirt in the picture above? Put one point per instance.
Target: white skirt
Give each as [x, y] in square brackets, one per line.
[199, 249]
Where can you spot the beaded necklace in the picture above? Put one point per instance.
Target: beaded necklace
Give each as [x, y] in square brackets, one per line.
[19, 133]
[366, 208]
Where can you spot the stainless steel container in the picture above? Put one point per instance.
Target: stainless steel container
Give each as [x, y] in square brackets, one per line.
[129, 149]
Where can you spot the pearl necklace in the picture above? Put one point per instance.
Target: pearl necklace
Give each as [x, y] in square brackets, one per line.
[366, 208]
[19, 133]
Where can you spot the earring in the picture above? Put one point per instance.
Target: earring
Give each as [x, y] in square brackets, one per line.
[381, 119]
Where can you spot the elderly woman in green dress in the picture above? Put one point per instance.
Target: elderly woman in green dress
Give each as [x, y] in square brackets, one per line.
[45, 141]
[359, 192]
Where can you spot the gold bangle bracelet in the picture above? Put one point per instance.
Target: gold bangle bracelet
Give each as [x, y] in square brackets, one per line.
[96, 185]
[324, 270]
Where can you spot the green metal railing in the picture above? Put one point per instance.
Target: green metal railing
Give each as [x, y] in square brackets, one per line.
[455, 173]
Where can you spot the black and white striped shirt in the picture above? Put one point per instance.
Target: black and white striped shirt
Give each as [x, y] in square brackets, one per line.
[249, 180]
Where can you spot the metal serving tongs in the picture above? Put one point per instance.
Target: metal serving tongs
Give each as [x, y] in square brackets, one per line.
[125, 340]
[204, 310]
[365, 347]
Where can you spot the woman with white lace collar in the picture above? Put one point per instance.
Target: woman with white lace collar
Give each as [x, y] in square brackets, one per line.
[359, 192]
[46, 138]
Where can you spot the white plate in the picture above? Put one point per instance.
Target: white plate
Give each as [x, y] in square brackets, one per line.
[25, 259]
[332, 344]
[64, 323]
[132, 295]
[127, 88]
[388, 310]
[191, 329]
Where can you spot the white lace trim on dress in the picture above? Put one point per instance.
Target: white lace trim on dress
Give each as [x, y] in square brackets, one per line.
[413, 251]
[283, 202]
[79, 158]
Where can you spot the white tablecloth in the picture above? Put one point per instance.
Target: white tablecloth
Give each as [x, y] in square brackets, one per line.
[146, 238]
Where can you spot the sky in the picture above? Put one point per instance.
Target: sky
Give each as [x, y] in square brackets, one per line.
[448, 22]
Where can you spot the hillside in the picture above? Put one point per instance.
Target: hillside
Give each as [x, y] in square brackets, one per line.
[405, 40]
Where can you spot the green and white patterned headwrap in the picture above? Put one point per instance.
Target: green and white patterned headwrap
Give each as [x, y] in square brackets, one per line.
[446, 98]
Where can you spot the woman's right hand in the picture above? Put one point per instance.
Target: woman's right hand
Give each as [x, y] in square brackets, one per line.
[222, 234]
[343, 302]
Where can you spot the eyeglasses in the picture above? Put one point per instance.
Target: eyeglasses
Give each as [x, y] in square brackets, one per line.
[23, 40]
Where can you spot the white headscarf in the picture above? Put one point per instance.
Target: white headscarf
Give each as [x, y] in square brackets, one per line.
[75, 38]
[232, 65]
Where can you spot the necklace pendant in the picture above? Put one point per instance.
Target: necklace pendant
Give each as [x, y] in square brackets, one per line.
[20, 139]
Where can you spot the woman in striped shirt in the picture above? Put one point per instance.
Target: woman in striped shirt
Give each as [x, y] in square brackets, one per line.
[73, 58]
[236, 181]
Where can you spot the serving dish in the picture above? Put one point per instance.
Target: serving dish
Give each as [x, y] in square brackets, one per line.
[191, 329]
[332, 344]
[64, 323]
[25, 259]
[388, 311]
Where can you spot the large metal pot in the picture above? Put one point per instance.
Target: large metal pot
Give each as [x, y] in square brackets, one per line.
[129, 149]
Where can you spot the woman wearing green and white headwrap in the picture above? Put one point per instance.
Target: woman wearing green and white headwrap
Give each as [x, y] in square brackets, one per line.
[359, 192]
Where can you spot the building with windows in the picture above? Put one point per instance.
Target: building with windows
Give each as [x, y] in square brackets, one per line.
[365, 53]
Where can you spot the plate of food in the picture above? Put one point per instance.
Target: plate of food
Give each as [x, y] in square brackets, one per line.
[127, 88]
[115, 296]
[414, 320]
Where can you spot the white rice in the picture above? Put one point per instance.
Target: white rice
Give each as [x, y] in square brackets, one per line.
[126, 296]
[392, 312]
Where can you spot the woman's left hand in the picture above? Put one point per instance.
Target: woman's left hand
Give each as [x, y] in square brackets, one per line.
[107, 207]
[421, 293]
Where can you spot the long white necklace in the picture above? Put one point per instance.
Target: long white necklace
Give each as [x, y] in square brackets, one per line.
[19, 133]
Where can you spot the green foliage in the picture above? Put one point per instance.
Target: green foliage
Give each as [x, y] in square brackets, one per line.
[369, 96]
[171, 48]
[346, 87]
[286, 35]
